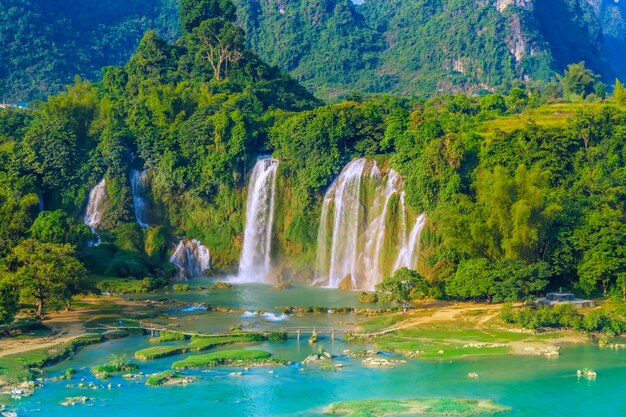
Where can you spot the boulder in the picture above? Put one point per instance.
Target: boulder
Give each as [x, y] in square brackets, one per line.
[346, 282]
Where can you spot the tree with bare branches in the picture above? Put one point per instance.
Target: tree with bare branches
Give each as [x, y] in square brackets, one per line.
[221, 44]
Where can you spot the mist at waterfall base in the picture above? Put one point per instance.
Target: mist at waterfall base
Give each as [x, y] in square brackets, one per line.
[256, 259]
[363, 234]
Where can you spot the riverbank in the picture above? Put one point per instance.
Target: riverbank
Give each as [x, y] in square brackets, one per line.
[434, 330]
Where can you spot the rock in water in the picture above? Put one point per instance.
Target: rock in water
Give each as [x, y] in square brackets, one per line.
[346, 283]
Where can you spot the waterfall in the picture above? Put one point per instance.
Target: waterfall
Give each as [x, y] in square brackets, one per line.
[410, 247]
[139, 187]
[40, 201]
[363, 230]
[97, 201]
[191, 258]
[255, 262]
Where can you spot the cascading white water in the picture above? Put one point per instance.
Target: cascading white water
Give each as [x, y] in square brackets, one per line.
[255, 262]
[97, 201]
[360, 229]
[139, 187]
[410, 248]
[191, 258]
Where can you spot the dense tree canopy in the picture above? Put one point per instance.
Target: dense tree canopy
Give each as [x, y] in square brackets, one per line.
[521, 194]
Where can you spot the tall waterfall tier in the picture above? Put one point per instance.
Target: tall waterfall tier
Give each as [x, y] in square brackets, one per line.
[363, 234]
[139, 186]
[98, 199]
[191, 258]
[256, 261]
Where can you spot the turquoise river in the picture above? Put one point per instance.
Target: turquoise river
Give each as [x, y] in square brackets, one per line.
[530, 385]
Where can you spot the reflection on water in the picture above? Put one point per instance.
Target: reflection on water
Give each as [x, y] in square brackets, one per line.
[253, 297]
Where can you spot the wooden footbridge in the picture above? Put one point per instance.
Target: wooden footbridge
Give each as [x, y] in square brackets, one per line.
[156, 329]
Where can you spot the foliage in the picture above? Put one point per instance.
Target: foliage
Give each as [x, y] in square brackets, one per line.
[403, 286]
[579, 80]
[565, 316]
[45, 273]
[161, 378]
[45, 45]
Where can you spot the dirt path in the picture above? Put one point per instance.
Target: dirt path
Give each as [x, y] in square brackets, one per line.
[444, 314]
[64, 325]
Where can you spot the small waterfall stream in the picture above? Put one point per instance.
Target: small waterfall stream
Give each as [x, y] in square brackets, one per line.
[255, 262]
[139, 186]
[98, 199]
[191, 258]
[363, 232]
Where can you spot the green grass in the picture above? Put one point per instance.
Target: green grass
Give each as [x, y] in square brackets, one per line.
[25, 366]
[451, 337]
[162, 377]
[169, 336]
[379, 323]
[237, 357]
[419, 406]
[197, 344]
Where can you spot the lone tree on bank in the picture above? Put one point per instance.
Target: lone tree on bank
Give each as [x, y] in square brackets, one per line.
[403, 286]
[46, 274]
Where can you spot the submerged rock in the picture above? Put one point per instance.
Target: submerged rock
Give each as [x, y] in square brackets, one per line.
[417, 406]
[381, 362]
[76, 400]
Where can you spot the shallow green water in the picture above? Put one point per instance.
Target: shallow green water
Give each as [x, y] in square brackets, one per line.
[265, 297]
[532, 386]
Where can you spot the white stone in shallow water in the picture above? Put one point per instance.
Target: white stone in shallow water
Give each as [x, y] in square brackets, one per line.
[191, 258]
[255, 262]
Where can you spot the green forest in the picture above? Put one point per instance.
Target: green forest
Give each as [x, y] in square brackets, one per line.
[332, 47]
[523, 191]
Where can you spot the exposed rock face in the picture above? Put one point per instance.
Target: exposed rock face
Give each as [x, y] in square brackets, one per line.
[501, 5]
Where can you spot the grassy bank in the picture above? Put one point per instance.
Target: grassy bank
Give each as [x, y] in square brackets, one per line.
[234, 357]
[27, 365]
[197, 344]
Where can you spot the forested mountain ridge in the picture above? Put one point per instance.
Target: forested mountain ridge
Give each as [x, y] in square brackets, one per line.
[45, 43]
[333, 47]
[430, 46]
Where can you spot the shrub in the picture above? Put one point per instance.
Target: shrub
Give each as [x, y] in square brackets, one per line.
[277, 336]
[181, 287]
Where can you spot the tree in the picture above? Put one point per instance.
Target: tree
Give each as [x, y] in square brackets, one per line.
[579, 80]
[493, 102]
[474, 278]
[49, 151]
[193, 12]
[221, 43]
[403, 286]
[46, 274]
[8, 298]
[58, 227]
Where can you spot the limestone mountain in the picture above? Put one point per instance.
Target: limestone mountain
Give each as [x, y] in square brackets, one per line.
[423, 46]
[333, 47]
